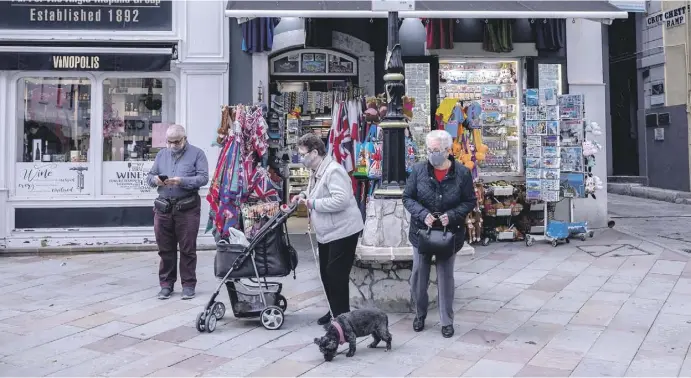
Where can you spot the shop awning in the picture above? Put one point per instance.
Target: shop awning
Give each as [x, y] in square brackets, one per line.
[27, 56]
[595, 9]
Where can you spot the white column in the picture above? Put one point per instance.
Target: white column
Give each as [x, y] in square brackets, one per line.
[204, 81]
[585, 76]
[5, 160]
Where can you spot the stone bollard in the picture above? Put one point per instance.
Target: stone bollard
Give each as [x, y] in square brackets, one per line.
[384, 260]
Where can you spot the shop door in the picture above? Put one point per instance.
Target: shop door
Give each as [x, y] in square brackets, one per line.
[547, 72]
[422, 84]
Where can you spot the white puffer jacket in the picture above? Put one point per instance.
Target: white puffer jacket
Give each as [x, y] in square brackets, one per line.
[335, 214]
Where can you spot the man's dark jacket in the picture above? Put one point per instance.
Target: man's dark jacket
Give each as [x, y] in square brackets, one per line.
[455, 196]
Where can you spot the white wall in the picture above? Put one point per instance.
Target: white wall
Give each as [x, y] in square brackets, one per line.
[202, 31]
[585, 76]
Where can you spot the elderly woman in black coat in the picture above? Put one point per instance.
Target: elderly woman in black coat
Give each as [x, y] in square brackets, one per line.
[438, 192]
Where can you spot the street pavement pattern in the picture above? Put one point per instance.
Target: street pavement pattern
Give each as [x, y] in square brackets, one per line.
[613, 305]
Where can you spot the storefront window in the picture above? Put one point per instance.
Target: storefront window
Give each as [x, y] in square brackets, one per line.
[53, 119]
[136, 114]
[135, 111]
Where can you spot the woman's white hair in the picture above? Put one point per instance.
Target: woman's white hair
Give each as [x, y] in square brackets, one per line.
[176, 131]
[444, 138]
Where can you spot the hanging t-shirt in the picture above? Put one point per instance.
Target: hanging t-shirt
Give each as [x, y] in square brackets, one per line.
[549, 34]
[439, 33]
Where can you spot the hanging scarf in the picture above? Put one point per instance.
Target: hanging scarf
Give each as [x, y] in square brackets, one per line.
[497, 36]
[439, 33]
[258, 34]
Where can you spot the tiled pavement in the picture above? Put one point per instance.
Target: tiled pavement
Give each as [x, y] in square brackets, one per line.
[612, 305]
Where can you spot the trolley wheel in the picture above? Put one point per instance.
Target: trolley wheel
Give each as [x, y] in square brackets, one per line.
[281, 302]
[582, 237]
[200, 322]
[528, 241]
[591, 233]
[272, 317]
[568, 240]
[210, 322]
[219, 310]
[554, 243]
[485, 242]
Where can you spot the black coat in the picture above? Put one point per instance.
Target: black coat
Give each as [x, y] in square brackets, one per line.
[455, 196]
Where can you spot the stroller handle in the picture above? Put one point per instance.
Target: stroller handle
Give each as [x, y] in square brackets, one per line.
[289, 209]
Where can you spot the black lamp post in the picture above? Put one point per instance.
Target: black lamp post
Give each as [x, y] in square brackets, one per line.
[394, 123]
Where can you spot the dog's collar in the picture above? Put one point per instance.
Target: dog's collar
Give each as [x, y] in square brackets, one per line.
[339, 329]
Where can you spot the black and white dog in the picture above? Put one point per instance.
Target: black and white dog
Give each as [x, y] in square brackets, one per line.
[346, 328]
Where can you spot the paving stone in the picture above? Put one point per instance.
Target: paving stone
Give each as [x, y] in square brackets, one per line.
[482, 337]
[655, 367]
[590, 367]
[538, 371]
[248, 363]
[596, 313]
[552, 283]
[567, 301]
[505, 320]
[201, 363]
[511, 351]
[586, 284]
[110, 329]
[95, 320]
[504, 292]
[466, 351]
[177, 335]
[636, 315]
[553, 316]
[342, 367]
[442, 367]
[616, 346]
[395, 365]
[575, 338]
[152, 363]
[473, 317]
[112, 344]
[480, 266]
[570, 268]
[535, 333]
[530, 300]
[679, 304]
[44, 352]
[527, 276]
[484, 305]
[673, 268]
[655, 286]
[99, 366]
[610, 297]
[492, 368]
[172, 371]
[557, 359]
[621, 284]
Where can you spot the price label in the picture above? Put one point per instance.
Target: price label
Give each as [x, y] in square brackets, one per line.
[393, 5]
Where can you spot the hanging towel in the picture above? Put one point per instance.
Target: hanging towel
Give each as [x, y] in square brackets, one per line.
[439, 33]
[549, 34]
[258, 34]
[318, 32]
[498, 36]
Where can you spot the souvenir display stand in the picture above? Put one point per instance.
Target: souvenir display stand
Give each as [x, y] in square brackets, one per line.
[243, 192]
[559, 161]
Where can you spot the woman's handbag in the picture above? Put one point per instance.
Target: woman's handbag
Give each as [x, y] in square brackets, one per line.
[435, 242]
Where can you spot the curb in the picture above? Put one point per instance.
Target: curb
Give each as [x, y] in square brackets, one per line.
[640, 191]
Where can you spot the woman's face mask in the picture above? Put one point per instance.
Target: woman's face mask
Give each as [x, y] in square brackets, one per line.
[308, 159]
[437, 158]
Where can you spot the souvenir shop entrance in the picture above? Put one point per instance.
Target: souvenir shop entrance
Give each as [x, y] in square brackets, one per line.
[466, 86]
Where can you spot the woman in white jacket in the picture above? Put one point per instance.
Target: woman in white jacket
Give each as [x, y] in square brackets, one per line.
[335, 219]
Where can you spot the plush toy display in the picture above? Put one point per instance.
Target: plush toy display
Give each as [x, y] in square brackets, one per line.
[474, 220]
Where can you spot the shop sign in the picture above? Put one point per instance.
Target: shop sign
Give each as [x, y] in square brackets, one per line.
[671, 18]
[50, 179]
[35, 61]
[126, 177]
[115, 15]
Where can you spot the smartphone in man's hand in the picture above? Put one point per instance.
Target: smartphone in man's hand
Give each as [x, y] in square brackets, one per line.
[163, 178]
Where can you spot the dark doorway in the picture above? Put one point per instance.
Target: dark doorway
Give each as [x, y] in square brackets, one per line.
[623, 96]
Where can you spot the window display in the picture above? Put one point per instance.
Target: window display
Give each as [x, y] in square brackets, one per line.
[53, 119]
[494, 87]
[131, 109]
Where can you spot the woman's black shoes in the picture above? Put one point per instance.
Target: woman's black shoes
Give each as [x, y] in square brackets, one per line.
[324, 319]
[447, 331]
[419, 324]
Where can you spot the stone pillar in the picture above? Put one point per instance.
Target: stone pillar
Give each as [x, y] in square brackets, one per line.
[585, 75]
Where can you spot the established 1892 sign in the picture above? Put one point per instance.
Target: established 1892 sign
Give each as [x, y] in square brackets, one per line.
[123, 15]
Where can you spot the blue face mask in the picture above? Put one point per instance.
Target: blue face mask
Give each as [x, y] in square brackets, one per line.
[437, 158]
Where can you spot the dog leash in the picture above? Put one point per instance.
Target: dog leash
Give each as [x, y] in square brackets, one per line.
[316, 260]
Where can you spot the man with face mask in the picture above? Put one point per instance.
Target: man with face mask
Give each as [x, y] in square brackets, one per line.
[335, 219]
[438, 193]
[178, 173]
